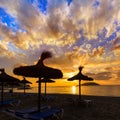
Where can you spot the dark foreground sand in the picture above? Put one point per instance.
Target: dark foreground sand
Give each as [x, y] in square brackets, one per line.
[101, 108]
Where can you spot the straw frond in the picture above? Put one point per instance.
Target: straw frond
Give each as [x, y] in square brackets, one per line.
[80, 68]
[45, 55]
[2, 70]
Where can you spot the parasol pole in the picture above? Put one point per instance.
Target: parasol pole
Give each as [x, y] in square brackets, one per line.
[79, 89]
[12, 88]
[39, 94]
[45, 88]
[11, 91]
[24, 88]
[2, 90]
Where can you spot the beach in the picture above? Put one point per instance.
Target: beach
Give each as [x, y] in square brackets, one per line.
[96, 107]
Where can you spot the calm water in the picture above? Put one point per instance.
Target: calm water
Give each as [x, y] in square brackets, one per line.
[105, 90]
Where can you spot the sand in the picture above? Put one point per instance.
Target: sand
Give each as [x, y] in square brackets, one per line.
[98, 108]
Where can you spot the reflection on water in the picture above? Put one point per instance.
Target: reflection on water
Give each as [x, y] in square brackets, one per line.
[86, 90]
[73, 89]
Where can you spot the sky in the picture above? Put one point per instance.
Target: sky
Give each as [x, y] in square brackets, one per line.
[77, 32]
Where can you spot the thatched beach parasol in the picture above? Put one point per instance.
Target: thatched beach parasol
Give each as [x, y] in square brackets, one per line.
[25, 82]
[80, 77]
[39, 71]
[5, 78]
[46, 80]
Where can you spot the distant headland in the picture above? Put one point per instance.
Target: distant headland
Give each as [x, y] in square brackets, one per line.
[90, 84]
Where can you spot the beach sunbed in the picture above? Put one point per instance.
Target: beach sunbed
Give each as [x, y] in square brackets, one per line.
[25, 111]
[52, 113]
[9, 102]
[56, 113]
[31, 110]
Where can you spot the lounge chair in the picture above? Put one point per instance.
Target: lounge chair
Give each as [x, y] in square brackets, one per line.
[56, 113]
[31, 110]
[9, 102]
[52, 113]
[25, 111]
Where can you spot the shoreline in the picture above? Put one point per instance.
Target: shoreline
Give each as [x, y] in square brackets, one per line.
[100, 107]
[86, 90]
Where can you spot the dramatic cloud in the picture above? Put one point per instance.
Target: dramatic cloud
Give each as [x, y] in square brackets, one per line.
[85, 32]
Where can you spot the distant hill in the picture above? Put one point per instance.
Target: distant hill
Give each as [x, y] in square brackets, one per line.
[90, 84]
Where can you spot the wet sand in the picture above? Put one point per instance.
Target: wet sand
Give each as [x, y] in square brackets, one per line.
[96, 108]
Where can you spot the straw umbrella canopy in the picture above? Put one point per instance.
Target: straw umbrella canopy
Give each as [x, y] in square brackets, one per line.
[39, 71]
[24, 82]
[5, 78]
[80, 77]
[46, 80]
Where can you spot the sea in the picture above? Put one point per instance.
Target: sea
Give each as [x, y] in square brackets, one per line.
[102, 90]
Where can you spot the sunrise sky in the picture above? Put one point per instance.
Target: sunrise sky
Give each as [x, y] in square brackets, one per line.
[77, 32]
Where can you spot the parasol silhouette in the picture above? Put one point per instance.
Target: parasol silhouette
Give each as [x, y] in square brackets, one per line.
[25, 82]
[80, 77]
[46, 80]
[39, 71]
[5, 78]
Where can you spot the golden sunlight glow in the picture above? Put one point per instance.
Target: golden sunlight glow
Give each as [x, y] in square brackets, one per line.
[71, 74]
[78, 34]
[73, 89]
